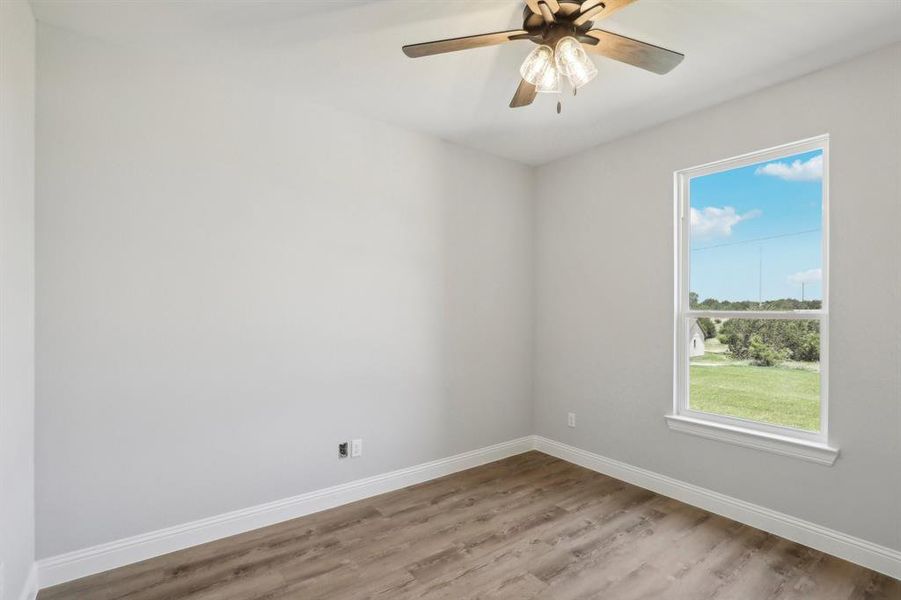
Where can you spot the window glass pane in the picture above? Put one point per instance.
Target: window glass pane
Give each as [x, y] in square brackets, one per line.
[756, 236]
[762, 370]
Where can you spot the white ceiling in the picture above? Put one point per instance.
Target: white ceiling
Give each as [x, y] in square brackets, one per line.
[347, 54]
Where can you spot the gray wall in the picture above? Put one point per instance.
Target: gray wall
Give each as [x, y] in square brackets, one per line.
[231, 280]
[604, 297]
[17, 62]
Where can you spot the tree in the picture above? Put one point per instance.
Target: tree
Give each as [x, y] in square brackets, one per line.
[778, 304]
[809, 349]
[736, 335]
[765, 355]
[796, 339]
[693, 299]
[707, 327]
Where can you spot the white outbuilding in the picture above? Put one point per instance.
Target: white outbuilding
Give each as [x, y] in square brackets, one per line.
[695, 339]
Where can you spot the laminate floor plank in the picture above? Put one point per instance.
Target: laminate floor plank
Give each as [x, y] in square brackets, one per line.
[527, 527]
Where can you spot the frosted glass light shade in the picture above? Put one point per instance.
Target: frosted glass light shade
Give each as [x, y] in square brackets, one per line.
[536, 64]
[549, 82]
[573, 62]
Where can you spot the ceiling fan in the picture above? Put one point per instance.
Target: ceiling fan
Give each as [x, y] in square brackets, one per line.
[565, 34]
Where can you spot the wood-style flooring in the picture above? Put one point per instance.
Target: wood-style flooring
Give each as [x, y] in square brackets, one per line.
[530, 526]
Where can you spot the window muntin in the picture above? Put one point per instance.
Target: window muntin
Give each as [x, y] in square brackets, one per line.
[752, 238]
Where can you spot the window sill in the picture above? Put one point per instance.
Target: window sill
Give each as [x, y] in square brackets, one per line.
[768, 442]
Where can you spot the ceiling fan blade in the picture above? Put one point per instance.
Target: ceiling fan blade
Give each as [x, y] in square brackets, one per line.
[607, 8]
[546, 13]
[462, 43]
[535, 5]
[639, 54]
[589, 15]
[525, 94]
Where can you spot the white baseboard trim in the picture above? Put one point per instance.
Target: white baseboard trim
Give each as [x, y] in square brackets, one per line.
[96, 559]
[30, 590]
[81, 563]
[873, 556]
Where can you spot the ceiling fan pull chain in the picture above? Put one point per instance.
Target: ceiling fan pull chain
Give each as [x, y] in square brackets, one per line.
[559, 106]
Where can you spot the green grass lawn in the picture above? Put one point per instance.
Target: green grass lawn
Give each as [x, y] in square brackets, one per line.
[782, 396]
[713, 358]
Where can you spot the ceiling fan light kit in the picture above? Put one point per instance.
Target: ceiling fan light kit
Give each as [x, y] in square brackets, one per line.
[544, 66]
[565, 34]
[549, 82]
[538, 63]
[573, 62]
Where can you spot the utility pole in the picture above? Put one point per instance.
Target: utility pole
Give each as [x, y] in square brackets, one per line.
[802, 291]
[760, 275]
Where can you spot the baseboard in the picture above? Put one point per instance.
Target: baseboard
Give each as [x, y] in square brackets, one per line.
[96, 559]
[30, 590]
[873, 556]
[81, 563]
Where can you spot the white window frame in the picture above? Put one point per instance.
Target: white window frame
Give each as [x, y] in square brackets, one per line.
[789, 441]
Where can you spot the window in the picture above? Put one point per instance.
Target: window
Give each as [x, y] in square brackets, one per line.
[752, 316]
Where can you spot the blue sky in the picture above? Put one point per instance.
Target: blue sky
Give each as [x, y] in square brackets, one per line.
[730, 213]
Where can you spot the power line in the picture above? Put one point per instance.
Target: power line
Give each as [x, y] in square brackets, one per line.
[760, 239]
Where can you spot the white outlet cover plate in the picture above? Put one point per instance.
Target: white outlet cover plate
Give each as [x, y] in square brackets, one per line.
[356, 448]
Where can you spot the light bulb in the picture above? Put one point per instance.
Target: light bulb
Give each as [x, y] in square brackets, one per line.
[536, 64]
[549, 82]
[573, 62]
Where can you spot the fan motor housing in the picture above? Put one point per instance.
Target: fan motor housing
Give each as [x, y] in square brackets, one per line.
[541, 32]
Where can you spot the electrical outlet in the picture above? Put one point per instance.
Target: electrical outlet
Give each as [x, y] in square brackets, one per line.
[342, 449]
[356, 448]
[571, 419]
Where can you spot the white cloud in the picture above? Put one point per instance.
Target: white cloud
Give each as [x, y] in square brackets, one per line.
[811, 170]
[713, 221]
[808, 276]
